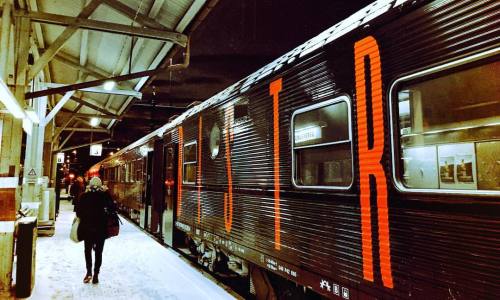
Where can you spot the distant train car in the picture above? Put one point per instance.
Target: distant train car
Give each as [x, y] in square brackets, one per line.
[362, 164]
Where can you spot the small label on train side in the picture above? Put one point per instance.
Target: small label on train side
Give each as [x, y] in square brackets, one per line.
[183, 226]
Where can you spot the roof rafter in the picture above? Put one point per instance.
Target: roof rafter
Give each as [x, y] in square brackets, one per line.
[89, 69]
[61, 40]
[86, 23]
[123, 92]
[131, 14]
[59, 130]
[82, 115]
[82, 145]
[88, 84]
[86, 102]
[81, 129]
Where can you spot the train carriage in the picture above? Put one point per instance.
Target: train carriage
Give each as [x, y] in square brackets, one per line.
[362, 164]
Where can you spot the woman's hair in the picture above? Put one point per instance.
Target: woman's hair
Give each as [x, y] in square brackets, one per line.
[95, 184]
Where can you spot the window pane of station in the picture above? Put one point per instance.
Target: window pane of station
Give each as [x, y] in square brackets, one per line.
[449, 129]
[323, 125]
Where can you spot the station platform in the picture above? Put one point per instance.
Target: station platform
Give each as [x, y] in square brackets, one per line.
[134, 267]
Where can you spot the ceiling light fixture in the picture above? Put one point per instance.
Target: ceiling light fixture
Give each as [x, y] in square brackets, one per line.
[10, 102]
[109, 85]
[94, 122]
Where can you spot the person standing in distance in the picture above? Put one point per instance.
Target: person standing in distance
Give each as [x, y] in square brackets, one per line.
[77, 189]
[91, 209]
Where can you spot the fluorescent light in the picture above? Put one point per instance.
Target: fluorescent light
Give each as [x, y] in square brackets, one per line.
[109, 85]
[32, 115]
[10, 102]
[94, 122]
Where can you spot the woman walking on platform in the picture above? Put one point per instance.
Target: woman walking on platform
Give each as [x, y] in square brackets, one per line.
[91, 209]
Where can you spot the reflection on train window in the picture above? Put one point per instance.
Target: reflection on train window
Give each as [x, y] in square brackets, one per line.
[449, 129]
[322, 145]
[189, 163]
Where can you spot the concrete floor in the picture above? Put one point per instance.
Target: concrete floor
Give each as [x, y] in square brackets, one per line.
[134, 267]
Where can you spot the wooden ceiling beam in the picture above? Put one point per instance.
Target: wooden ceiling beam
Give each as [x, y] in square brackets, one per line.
[88, 84]
[74, 63]
[82, 145]
[80, 129]
[61, 40]
[85, 23]
[132, 14]
[87, 103]
[82, 115]
[99, 90]
[59, 130]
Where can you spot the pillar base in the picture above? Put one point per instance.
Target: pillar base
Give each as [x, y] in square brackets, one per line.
[6, 256]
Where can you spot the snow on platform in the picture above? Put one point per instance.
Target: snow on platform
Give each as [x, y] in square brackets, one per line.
[134, 267]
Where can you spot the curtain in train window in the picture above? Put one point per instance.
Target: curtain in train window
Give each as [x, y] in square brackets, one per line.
[449, 129]
[189, 163]
[322, 145]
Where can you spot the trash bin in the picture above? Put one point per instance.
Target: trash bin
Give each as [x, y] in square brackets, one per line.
[25, 249]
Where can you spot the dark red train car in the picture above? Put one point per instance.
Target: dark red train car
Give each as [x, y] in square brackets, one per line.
[362, 164]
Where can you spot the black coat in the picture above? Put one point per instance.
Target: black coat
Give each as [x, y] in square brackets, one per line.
[91, 209]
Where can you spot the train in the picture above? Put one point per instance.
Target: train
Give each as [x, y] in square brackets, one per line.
[362, 164]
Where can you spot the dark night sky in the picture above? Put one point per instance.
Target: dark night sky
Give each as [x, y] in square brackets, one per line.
[235, 39]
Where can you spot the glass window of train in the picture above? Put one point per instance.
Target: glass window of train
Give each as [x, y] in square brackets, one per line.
[127, 172]
[449, 128]
[214, 142]
[241, 112]
[138, 172]
[322, 150]
[189, 162]
[132, 171]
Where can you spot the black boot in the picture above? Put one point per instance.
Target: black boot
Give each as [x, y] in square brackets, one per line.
[95, 279]
[87, 277]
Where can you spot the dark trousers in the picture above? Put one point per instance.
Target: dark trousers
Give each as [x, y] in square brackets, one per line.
[99, 246]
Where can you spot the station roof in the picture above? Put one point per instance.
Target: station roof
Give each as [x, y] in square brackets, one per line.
[87, 40]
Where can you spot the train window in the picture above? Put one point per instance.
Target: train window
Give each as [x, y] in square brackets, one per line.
[189, 163]
[449, 128]
[241, 112]
[322, 150]
[138, 172]
[111, 174]
[131, 171]
[214, 141]
[127, 172]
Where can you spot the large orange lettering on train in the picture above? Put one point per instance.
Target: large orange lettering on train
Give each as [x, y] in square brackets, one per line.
[274, 90]
[370, 158]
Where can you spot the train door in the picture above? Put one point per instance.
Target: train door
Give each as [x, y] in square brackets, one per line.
[146, 213]
[157, 190]
[170, 169]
